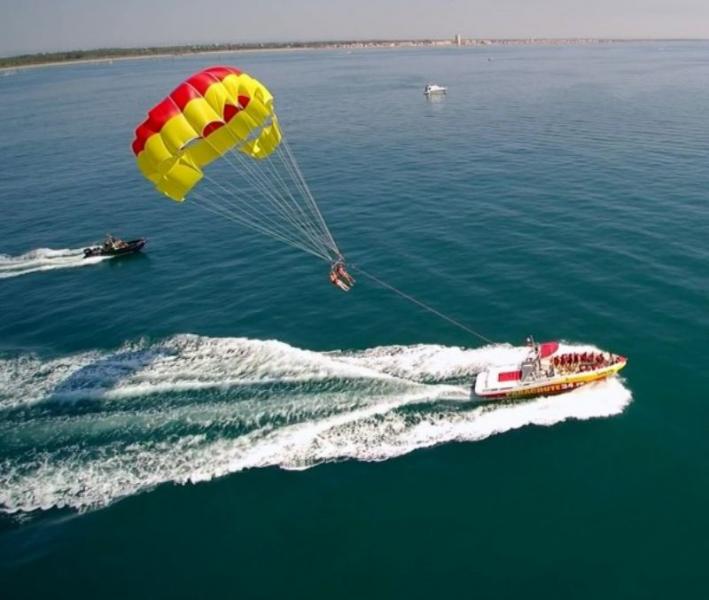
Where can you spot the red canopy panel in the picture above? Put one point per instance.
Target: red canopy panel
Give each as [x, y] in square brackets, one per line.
[509, 376]
[547, 349]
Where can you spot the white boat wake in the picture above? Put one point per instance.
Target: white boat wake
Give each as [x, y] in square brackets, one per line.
[84, 430]
[45, 259]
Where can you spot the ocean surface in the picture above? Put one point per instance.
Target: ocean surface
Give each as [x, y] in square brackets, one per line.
[213, 419]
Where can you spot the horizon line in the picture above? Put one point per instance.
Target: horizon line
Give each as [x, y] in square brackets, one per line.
[302, 43]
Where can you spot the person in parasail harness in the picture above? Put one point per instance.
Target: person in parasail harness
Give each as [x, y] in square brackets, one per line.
[340, 277]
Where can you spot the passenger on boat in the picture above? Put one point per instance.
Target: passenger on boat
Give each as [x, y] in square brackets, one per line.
[109, 243]
[113, 243]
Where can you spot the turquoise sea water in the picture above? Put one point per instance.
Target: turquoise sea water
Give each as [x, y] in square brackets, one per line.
[212, 419]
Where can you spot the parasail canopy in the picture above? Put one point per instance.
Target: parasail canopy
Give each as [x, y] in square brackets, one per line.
[222, 113]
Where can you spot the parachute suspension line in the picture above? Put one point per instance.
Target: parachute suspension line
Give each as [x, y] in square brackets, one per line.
[308, 194]
[279, 200]
[288, 160]
[247, 212]
[225, 215]
[307, 219]
[304, 206]
[275, 209]
[218, 206]
[236, 214]
[421, 304]
[323, 233]
[249, 172]
[312, 222]
[267, 223]
[214, 207]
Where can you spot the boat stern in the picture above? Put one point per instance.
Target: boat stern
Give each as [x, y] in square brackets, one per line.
[480, 384]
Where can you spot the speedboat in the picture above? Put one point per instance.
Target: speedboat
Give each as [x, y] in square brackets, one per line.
[115, 248]
[547, 369]
[432, 89]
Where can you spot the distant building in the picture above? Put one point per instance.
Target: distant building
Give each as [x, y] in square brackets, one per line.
[458, 40]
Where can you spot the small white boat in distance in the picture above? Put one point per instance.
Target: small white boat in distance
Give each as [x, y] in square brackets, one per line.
[433, 89]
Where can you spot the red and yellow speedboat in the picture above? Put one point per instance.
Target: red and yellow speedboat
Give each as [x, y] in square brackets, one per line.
[548, 369]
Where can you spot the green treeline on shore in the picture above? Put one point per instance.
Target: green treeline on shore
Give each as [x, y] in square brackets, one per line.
[110, 53]
[43, 58]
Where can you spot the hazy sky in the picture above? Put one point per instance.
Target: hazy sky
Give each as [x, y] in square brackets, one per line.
[45, 25]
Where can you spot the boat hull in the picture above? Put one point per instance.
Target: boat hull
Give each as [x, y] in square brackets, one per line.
[129, 248]
[552, 386]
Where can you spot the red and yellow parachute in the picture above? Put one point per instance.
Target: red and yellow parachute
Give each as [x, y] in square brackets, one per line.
[214, 111]
[223, 113]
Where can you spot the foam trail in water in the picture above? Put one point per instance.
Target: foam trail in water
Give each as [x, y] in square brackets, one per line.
[84, 430]
[45, 259]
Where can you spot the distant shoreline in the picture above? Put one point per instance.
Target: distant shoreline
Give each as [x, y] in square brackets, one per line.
[103, 55]
[111, 58]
